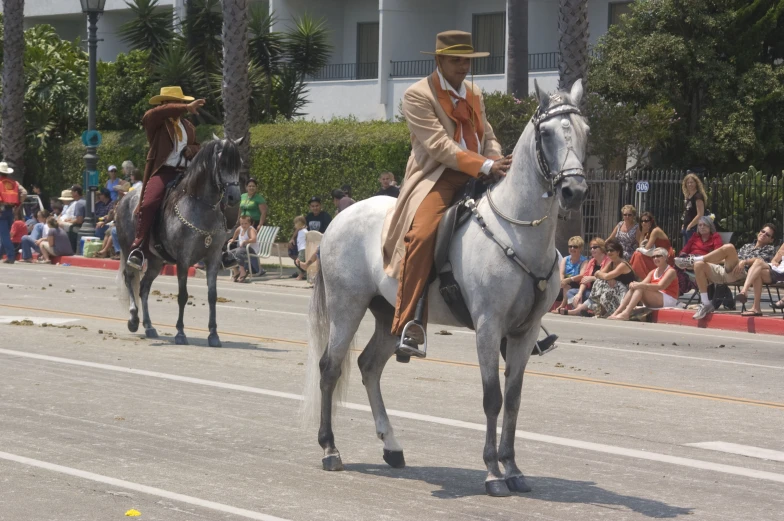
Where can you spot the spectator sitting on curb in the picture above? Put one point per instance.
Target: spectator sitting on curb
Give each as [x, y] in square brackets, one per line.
[659, 288]
[388, 185]
[18, 229]
[760, 273]
[103, 206]
[55, 244]
[586, 278]
[571, 266]
[707, 268]
[39, 231]
[611, 283]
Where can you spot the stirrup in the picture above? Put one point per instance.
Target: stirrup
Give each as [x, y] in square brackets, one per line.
[407, 346]
[545, 345]
[132, 263]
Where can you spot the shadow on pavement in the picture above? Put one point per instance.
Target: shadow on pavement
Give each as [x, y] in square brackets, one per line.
[456, 483]
[195, 341]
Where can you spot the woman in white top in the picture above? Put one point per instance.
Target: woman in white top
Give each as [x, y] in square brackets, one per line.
[243, 236]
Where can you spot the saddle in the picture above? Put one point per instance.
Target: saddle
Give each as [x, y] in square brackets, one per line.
[454, 218]
[156, 245]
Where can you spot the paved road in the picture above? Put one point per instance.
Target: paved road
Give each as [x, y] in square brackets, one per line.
[95, 421]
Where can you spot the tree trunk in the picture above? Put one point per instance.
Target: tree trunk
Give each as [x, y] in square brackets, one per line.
[13, 131]
[517, 52]
[236, 86]
[572, 65]
[572, 42]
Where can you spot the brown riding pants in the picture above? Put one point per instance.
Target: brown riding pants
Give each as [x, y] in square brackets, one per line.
[420, 244]
[151, 202]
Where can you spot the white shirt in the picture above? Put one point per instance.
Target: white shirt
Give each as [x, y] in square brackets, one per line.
[301, 242]
[179, 146]
[138, 184]
[68, 212]
[488, 164]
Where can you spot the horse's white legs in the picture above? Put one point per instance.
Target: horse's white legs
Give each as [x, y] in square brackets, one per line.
[131, 283]
[488, 343]
[518, 351]
[371, 363]
[343, 323]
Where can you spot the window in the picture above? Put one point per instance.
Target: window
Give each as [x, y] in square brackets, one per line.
[367, 50]
[489, 35]
[616, 10]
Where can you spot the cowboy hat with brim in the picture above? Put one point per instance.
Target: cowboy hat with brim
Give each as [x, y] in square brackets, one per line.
[5, 169]
[456, 43]
[66, 196]
[170, 94]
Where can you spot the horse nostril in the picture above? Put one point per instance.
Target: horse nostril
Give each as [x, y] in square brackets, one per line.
[567, 193]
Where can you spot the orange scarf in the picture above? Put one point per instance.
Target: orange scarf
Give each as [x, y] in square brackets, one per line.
[464, 115]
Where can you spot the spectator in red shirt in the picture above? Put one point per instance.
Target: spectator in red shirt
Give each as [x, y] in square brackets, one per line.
[704, 241]
[18, 229]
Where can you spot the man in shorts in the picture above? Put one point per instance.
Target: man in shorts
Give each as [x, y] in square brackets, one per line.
[736, 263]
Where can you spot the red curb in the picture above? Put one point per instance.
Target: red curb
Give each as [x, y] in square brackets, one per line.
[110, 264]
[764, 325]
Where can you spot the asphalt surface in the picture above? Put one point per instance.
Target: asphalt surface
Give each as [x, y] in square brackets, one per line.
[96, 421]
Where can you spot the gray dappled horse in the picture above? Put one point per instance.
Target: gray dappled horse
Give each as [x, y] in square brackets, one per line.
[191, 227]
[507, 269]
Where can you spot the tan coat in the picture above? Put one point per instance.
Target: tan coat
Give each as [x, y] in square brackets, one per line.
[435, 146]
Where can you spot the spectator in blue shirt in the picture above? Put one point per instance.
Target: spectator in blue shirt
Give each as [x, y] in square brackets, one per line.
[113, 182]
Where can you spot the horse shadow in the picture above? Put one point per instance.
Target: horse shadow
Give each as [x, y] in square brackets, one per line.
[455, 483]
[165, 340]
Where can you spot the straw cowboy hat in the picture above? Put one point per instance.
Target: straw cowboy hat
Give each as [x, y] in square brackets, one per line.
[66, 196]
[5, 169]
[455, 43]
[170, 94]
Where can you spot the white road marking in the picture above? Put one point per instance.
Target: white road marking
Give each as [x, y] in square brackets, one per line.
[144, 489]
[7, 319]
[743, 450]
[262, 310]
[531, 436]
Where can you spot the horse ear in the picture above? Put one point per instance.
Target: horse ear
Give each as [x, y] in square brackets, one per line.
[215, 137]
[541, 95]
[239, 141]
[577, 92]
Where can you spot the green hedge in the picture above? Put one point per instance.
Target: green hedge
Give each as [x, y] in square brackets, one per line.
[291, 161]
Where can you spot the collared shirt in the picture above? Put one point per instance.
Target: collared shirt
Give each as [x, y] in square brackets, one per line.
[488, 164]
[750, 251]
[101, 208]
[179, 145]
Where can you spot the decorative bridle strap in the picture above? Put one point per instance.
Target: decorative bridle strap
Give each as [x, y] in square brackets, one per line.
[512, 220]
[540, 116]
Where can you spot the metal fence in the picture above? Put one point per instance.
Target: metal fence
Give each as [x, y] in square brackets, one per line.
[347, 71]
[742, 204]
[542, 61]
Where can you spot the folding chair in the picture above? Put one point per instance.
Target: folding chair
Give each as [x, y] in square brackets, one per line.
[263, 245]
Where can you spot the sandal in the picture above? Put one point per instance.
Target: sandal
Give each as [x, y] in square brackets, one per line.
[751, 314]
[777, 305]
[563, 311]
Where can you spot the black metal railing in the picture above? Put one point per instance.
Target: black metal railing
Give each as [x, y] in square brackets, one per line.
[741, 203]
[542, 61]
[347, 71]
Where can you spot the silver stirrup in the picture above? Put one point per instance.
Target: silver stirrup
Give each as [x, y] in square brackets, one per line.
[141, 267]
[414, 323]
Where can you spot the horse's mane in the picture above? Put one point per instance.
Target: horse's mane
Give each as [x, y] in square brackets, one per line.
[205, 167]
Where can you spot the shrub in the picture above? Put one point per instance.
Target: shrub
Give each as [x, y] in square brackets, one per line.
[508, 116]
[292, 161]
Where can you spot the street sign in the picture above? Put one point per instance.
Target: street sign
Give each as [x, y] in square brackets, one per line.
[92, 179]
[642, 186]
[91, 138]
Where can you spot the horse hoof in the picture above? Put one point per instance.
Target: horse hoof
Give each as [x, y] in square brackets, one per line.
[332, 463]
[181, 340]
[497, 488]
[151, 332]
[394, 458]
[517, 484]
[133, 325]
[214, 341]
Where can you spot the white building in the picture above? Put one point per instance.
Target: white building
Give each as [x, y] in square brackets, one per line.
[377, 43]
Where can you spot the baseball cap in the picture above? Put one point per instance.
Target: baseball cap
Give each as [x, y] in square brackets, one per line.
[112, 167]
[315, 199]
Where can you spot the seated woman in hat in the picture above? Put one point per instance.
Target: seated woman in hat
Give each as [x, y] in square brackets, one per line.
[172, 141]
[451, 142]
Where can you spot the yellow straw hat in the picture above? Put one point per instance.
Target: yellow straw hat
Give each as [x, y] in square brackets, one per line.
[455, 43]
[170, 94]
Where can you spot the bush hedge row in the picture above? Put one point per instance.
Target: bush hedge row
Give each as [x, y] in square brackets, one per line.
[291, 161]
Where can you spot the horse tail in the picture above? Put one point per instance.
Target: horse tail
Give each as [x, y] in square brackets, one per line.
[318, 343]
[122, 289]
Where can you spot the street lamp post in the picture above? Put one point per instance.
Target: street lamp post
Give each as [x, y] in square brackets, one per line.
[92, 8]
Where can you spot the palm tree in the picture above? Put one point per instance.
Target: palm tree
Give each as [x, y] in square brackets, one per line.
[572, 64]
[236, 87]
[266, 50]
[307, 45]
[202, 30]
[151, 29]
[517, 52]
[13, 129]
[572, 42]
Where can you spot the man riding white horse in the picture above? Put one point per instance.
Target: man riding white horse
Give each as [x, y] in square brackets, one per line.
[452, 142]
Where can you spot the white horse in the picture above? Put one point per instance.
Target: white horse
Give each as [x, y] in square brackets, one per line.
[506, 268]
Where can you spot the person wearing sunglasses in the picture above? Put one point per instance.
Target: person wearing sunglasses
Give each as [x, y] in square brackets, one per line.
[760, 273]
[599, 259]
[627, 232]
[653, 237]
[571, 266]
[610, 284]
[659, 288]
[708, 270]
